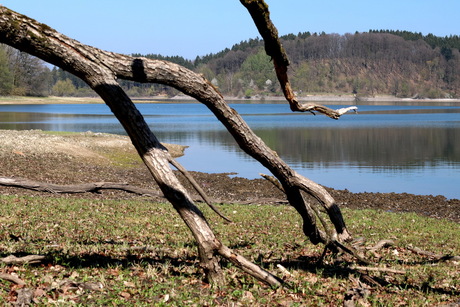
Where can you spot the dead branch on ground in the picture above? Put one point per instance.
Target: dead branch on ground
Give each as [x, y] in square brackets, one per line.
[433, 256]
[30, 259]
[12, 278]
[97, 187]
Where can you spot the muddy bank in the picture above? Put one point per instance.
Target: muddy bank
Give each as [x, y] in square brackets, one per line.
[65, 158]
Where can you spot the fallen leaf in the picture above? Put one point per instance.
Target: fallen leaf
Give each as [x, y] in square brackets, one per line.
[39, 292]
[93, 286]
[125, 295]
[129, 284]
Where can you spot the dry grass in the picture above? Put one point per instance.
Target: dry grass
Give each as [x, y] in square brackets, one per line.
[48, 100]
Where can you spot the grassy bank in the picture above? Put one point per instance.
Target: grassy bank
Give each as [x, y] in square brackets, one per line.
[138, 253]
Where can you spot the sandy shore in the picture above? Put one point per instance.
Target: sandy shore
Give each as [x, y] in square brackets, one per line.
[336, 99]
[88, 157]
[48, 100]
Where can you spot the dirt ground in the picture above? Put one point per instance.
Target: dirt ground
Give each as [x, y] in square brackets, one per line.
[92, 157]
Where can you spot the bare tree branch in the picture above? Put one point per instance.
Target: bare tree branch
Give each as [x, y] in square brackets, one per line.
[260, 13]
[197, 187]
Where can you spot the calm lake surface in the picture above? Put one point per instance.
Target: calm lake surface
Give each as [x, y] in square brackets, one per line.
[383, 148]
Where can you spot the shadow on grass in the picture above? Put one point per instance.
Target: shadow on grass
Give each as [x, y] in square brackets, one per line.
[343, 271]
[170, 257]
[101, 261]
[125, 258]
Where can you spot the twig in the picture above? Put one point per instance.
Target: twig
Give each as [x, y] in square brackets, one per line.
[376, 269]
[351, 251]
[283, 270]
[323, 254]
[274, 181]
[197, 187]
[12, 278]
[381, 244]
[250, 268]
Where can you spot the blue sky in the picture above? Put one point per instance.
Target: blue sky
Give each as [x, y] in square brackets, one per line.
[190, 28]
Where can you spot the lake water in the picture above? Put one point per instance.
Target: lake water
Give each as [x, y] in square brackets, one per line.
[383, 148]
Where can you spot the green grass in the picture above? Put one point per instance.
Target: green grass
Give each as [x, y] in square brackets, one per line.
[140, 254]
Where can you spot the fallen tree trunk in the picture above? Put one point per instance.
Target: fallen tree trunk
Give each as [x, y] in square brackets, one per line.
[100, 69]
[97, 187]
[94, 187]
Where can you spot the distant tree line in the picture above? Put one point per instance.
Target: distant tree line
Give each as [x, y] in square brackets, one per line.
[22, 74]
[400, 63]
[396, 63]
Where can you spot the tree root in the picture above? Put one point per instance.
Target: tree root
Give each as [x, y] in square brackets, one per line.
[331, 239]
[250, 268]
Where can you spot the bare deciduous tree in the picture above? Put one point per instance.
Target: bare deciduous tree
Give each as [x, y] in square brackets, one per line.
[101, 69]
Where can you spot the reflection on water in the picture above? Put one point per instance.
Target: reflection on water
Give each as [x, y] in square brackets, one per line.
[413, 149]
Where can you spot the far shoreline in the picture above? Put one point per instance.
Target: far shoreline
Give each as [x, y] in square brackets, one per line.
[346, 99]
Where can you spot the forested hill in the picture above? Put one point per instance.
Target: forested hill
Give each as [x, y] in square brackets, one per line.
[399, 63]
[378, 62]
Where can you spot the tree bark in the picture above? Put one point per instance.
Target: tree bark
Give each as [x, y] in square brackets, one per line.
[100, 69]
